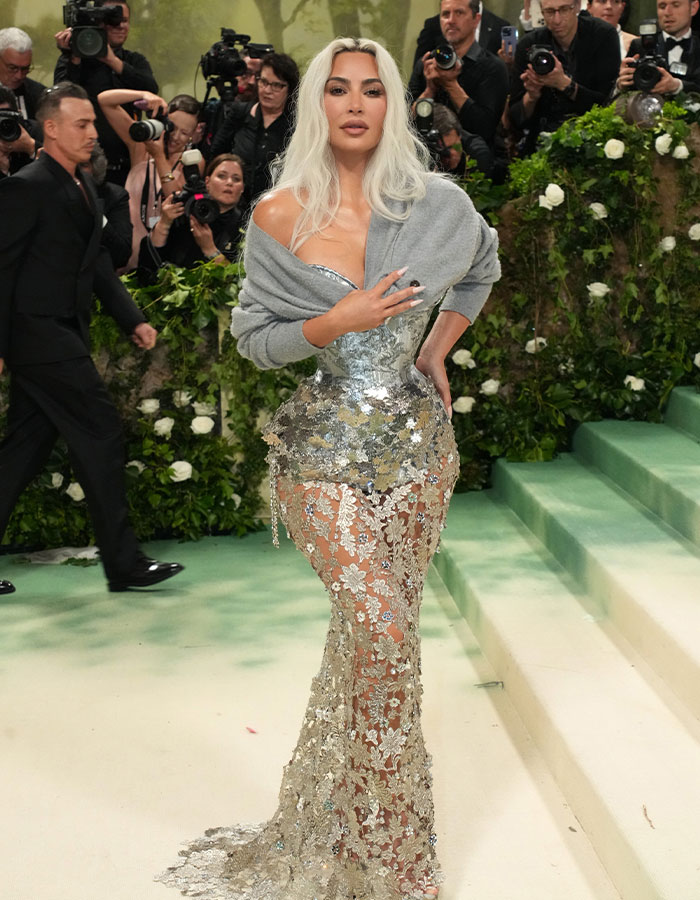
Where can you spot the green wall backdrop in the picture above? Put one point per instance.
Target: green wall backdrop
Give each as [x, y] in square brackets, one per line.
[174, 33]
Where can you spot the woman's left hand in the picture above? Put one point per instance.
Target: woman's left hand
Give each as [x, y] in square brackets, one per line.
[434, 369]
[204, 237]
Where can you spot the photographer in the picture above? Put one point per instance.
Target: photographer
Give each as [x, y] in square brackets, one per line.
[561, 70]
[474, 84]
[258, 132]
[118, 68]
[674, 43]
[184, 240]
[459, 145]
[488, 33]
[156, 169]
[15, 66]
[16, 153]
[616, 12]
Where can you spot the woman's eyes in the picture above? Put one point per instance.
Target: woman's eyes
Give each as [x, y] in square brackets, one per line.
[337, 90]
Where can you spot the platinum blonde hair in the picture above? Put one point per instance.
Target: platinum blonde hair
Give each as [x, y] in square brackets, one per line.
[397, 170]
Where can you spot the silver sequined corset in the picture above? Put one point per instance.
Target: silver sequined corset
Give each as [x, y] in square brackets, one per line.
[367, 417]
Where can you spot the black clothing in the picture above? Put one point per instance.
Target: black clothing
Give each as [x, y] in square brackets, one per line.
[592, 60]
[484, 78]
[246, 135]
[690, 56]
[475, 148]
[181, 249]
[28, 95]
[431, 34]
[118, 230]
[96, 77]
[50, 263]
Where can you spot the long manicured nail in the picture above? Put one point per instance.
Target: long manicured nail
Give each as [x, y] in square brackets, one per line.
[403, 271]
[416, 302]
[418, 289]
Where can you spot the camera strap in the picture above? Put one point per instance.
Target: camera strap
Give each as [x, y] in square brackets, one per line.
[145, 190]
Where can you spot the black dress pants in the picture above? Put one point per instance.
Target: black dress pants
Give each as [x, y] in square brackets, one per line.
[69, 398]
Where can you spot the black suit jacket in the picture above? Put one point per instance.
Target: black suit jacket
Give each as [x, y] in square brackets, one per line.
[691, 57]
[32, 91]
[51, 261]
[594, 64]
[489, 34]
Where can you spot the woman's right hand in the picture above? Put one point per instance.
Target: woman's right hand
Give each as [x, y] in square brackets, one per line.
[171, 210]
[364, 310]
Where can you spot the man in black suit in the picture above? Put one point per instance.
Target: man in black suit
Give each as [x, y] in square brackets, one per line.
[476, 87]
[586, 62]
[488, 33]
[676, 43]
[50, 262]
[15, 66]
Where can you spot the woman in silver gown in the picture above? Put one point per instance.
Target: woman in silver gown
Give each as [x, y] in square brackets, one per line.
[363, 462]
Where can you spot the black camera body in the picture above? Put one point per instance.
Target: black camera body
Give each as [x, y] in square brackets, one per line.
[194, 194]
[647, 69]
[444, 55]
[223, 60]
[542, 59]
[10, 125]
[429, 134]
[87, 21]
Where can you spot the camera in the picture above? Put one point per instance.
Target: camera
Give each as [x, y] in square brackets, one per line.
[444, 56]
[429, 134]
[10, 125]
[647, 69]
[194, 194]
[150, 129]
[222, 60]
[88, 38]
[541, 59]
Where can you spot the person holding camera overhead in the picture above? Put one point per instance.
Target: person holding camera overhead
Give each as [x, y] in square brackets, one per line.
[111, 67]
[155, 150]
[674, 43]
[196, 230]
[471, 81]
[561, 70]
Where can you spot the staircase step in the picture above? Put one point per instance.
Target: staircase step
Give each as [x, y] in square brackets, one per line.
[654, 463]
[683, 410]
[644, 577]
[627, 765]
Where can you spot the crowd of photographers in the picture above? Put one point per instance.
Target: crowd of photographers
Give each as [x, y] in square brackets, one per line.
[177, 177]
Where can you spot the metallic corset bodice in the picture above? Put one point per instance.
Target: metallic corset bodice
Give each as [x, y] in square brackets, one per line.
[367, 417]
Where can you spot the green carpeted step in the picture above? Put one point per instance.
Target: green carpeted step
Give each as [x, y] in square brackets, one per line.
[658, 465]
[683, 410]
[644, 576]
[627, 765]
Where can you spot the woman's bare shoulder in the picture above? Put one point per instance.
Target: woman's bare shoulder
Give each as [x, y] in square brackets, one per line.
[277, 214]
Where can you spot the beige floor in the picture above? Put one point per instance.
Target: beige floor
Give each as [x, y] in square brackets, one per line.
[131, 723]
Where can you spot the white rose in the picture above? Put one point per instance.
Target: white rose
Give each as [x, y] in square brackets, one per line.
[75, 492]
[182, 399]
[597, 289]
[202, 424]
[544, 202]
[634, 384]
[535, 344]
[614, 149]
[680, 152]
[463, 404]
[663, 144]
[204, 409]
[490, 386]
[236, 500]
[694, 232]
[56, 480]
[696, 360]
[464, 359]
[554, 194]
[136, 464]
[598, 210]
[182, 470]
[149, 407]
[667, 244]
[163, 427]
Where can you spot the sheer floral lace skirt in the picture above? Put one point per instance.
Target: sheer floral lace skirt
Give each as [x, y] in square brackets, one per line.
[355, 814]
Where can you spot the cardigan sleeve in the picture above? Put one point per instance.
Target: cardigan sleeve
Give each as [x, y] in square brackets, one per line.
[468, 295]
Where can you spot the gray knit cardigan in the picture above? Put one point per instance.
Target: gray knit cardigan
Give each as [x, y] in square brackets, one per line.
[446, 244]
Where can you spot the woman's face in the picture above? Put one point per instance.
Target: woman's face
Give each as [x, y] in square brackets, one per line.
[272, 91]
[184, 127]
[355, 102]
[225, 184]
[610, 10]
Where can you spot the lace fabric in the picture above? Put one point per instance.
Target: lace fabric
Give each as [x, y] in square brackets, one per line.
[355, 813]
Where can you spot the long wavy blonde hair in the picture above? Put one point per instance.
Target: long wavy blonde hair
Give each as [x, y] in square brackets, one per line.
[397, 170]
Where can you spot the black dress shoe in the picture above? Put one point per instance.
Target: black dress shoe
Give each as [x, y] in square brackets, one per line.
[145, 573]
[6, 587]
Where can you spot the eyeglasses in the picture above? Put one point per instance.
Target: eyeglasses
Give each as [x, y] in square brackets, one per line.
[15, 70]
[558, 10]
[275, 86]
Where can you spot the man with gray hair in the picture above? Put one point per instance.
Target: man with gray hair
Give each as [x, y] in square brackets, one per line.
[15, 66]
